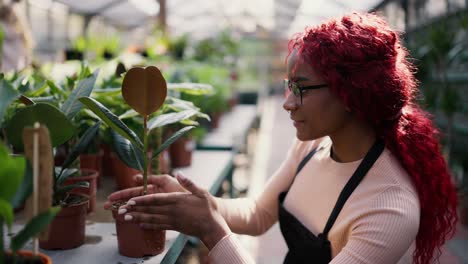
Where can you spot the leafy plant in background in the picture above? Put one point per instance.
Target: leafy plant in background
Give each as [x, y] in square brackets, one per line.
[177, 47]
[12, 171]
[441, 52]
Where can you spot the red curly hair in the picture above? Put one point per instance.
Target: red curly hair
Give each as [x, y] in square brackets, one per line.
[364, 64]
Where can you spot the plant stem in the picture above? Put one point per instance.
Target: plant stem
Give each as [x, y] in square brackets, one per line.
[158, 135]
[145, 154]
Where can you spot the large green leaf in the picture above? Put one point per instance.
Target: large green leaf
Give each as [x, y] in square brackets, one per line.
[7, 95]
[6, 212]
[63, 175]
[60, 128]
[11, 173]
[170, 118]
[33, 228]
[112, 120]
[171, 140]
[82, 145]
[84, 88]
[191, 88]
[25, 189]
[129, 154]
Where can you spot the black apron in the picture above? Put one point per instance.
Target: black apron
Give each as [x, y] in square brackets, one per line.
[304, 246]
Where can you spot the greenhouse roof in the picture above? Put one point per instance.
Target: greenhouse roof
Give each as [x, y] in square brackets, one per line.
[204, 17]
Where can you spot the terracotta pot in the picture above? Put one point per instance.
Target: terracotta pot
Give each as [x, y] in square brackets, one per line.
[67, 230]
[107, 170]
[93, 161]
[123, 174]
[136, 242]
[181, 152]
[215, 117]
[233, 101]
[165, 162]
[90, 176]
[24, 254]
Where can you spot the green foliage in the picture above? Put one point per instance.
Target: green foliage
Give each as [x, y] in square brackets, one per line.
[12, 171]
[60, 128]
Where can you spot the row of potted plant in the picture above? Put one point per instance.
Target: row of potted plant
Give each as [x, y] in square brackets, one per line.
[62, 111]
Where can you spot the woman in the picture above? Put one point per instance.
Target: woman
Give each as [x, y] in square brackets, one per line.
[365, 181]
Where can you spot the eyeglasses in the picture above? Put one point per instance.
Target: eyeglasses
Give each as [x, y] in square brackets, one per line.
[296, 89]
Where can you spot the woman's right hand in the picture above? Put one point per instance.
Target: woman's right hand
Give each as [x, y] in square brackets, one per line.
[156, 184]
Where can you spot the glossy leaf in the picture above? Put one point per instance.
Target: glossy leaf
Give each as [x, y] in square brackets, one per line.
[62, 176]
[7, 95]
[128, 114]
[191, 88]
[129, 154]
[33, 228]
[171, 140]
[144, 89]
[170, 118]
[112, 120]
[60, 128]
[25, 189]
[108, 91]
[11, 173]
[25, 100]
[72, 105]
[6, 212]
[82, 145]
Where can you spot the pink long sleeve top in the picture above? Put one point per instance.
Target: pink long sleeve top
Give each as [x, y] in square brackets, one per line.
[378, 223]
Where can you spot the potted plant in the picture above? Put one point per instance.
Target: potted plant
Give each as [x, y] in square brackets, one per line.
[144, 90]
[12, 171]
[72, 194]
[61, 116]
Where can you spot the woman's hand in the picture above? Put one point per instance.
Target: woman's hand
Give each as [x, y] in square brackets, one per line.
[156, 184]
[193, 213]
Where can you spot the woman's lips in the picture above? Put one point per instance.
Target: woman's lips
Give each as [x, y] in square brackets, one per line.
[298, 123]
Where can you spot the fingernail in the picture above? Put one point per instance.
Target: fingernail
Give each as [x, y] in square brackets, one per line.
[181, 175]
[131, 202]
[122, 211]
[128, 217]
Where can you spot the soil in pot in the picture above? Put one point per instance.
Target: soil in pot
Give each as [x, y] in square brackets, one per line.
[135, 241]
[67, 230]
[26, 257]
[89, 176]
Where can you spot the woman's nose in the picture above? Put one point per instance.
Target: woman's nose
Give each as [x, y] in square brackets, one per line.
[291, 102]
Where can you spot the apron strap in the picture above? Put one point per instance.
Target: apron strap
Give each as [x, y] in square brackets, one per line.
[354, 181]
[306, 159]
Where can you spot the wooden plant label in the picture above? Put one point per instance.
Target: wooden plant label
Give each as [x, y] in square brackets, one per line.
[46, 166]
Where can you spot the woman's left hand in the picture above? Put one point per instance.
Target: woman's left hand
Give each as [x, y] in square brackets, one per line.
[193, 213]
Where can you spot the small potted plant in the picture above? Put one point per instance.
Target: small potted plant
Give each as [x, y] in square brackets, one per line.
[71, 192]
[12, 171]
[144, 90]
